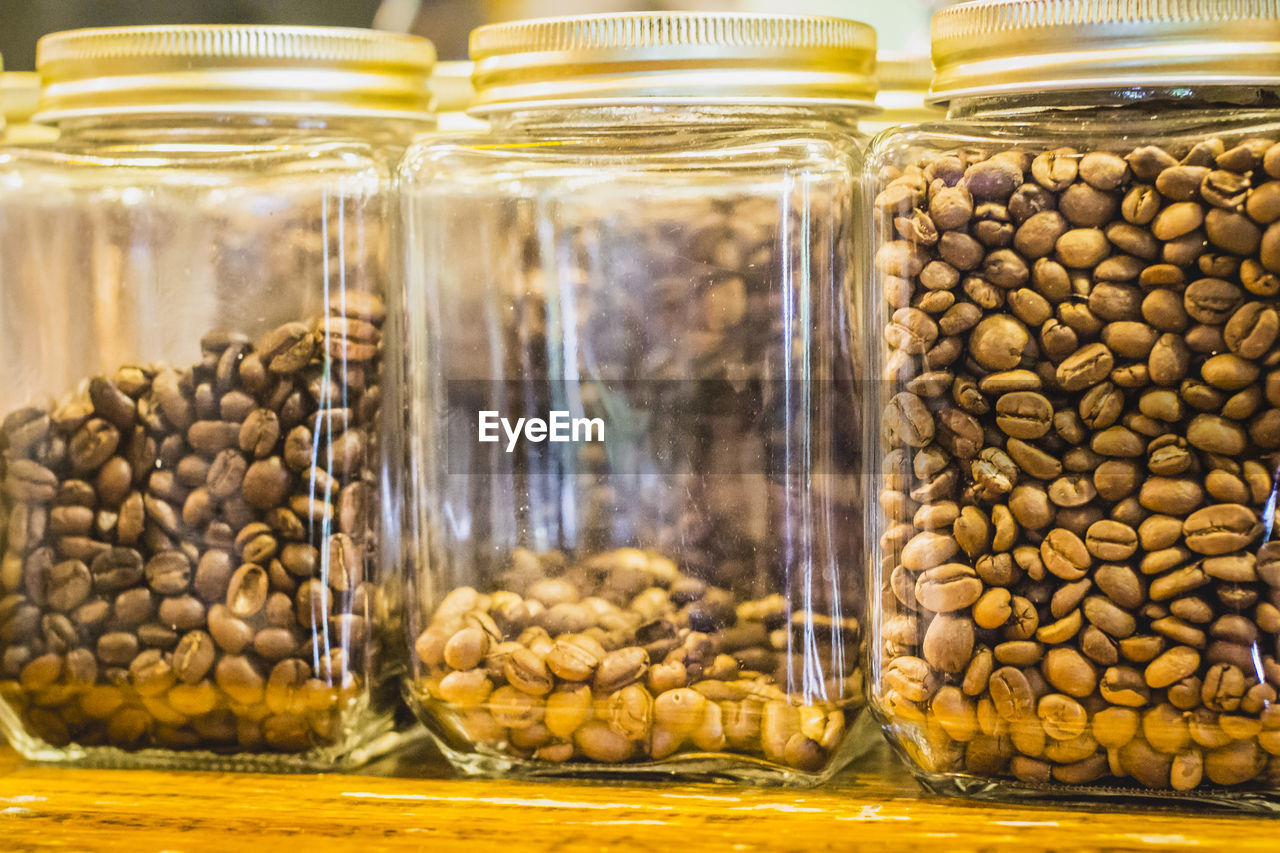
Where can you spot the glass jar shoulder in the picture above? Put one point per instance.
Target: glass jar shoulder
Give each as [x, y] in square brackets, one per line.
[195, 160]
[1112, 129]
[723, 149]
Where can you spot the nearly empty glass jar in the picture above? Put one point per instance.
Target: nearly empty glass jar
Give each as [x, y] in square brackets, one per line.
[1075, 319]
[191, 312]
[634, 502]
[19, 94]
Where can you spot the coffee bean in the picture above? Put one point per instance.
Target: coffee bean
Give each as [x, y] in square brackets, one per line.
[1085, 206]
[1085, 368]
[68, 586]
[240, 679]
[948, 643]
[93, 444]
[1177, 663]
[266, 482]
[1221, 529]
[116, 569]
[193, 657]
[1103, 171]
[168, 573]
[117, 648]
[1024, 414]
[1082, 248]
[247, 590]
[1111, 541]
[1065, 555]
[998, 342]
[948, 587]
[150, 673]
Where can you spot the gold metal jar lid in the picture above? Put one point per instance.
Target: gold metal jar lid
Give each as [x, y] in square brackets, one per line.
[261, 70]
[673, 57]
[19, 92]
[1018, 47]
[903, 72]
[452, 87]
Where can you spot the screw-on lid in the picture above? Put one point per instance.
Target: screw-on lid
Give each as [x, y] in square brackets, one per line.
[297, 71]
[1018, 47]
[673, 57]
[19, 91]
[903, 71]
[452, 87]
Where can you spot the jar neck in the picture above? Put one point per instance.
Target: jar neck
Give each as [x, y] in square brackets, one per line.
[634, 118]
[1124, 104]
[230, 128]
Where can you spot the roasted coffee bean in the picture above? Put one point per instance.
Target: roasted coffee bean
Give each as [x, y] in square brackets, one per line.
[948, 643]
[948, 587]
[1221, 528]
[67, 586]
[116, 569]
[168, 573]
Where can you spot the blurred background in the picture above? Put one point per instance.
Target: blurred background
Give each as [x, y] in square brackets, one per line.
[903, 25]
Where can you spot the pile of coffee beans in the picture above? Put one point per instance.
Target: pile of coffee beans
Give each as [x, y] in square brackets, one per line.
[188, 550]
[619, 657]
[1081, 422]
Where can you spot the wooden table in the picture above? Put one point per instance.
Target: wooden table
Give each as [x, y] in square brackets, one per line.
[410, 803]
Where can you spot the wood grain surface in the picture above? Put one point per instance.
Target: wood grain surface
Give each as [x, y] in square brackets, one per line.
[409, 803]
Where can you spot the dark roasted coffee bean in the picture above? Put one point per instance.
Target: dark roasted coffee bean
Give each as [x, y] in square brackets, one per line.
[68, 585]
[266, 483]
[168, 573]
[116, 569]
[259, 433]
[226, 474]
[287, 348]
[181, 613]
[247, 590]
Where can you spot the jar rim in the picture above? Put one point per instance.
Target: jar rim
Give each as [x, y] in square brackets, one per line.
[987, 48]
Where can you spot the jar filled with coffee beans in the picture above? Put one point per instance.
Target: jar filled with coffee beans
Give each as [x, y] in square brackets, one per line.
[1076, 304]
[635, 511]
[192, 310]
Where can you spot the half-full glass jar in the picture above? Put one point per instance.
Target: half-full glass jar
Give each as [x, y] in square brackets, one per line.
[634, 504]
[191, 308]
[1075, 306]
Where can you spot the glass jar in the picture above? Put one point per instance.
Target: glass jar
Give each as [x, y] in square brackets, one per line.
[903, 80]
[19, 94]
[191, 311]
[648, 255]
[1075, 303]
[451, 85]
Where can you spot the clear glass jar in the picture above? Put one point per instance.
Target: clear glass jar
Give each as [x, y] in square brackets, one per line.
[454, 94]
[19, 94]
[191, 314]
[904, 80]
[672, 588]
[1075, 301]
